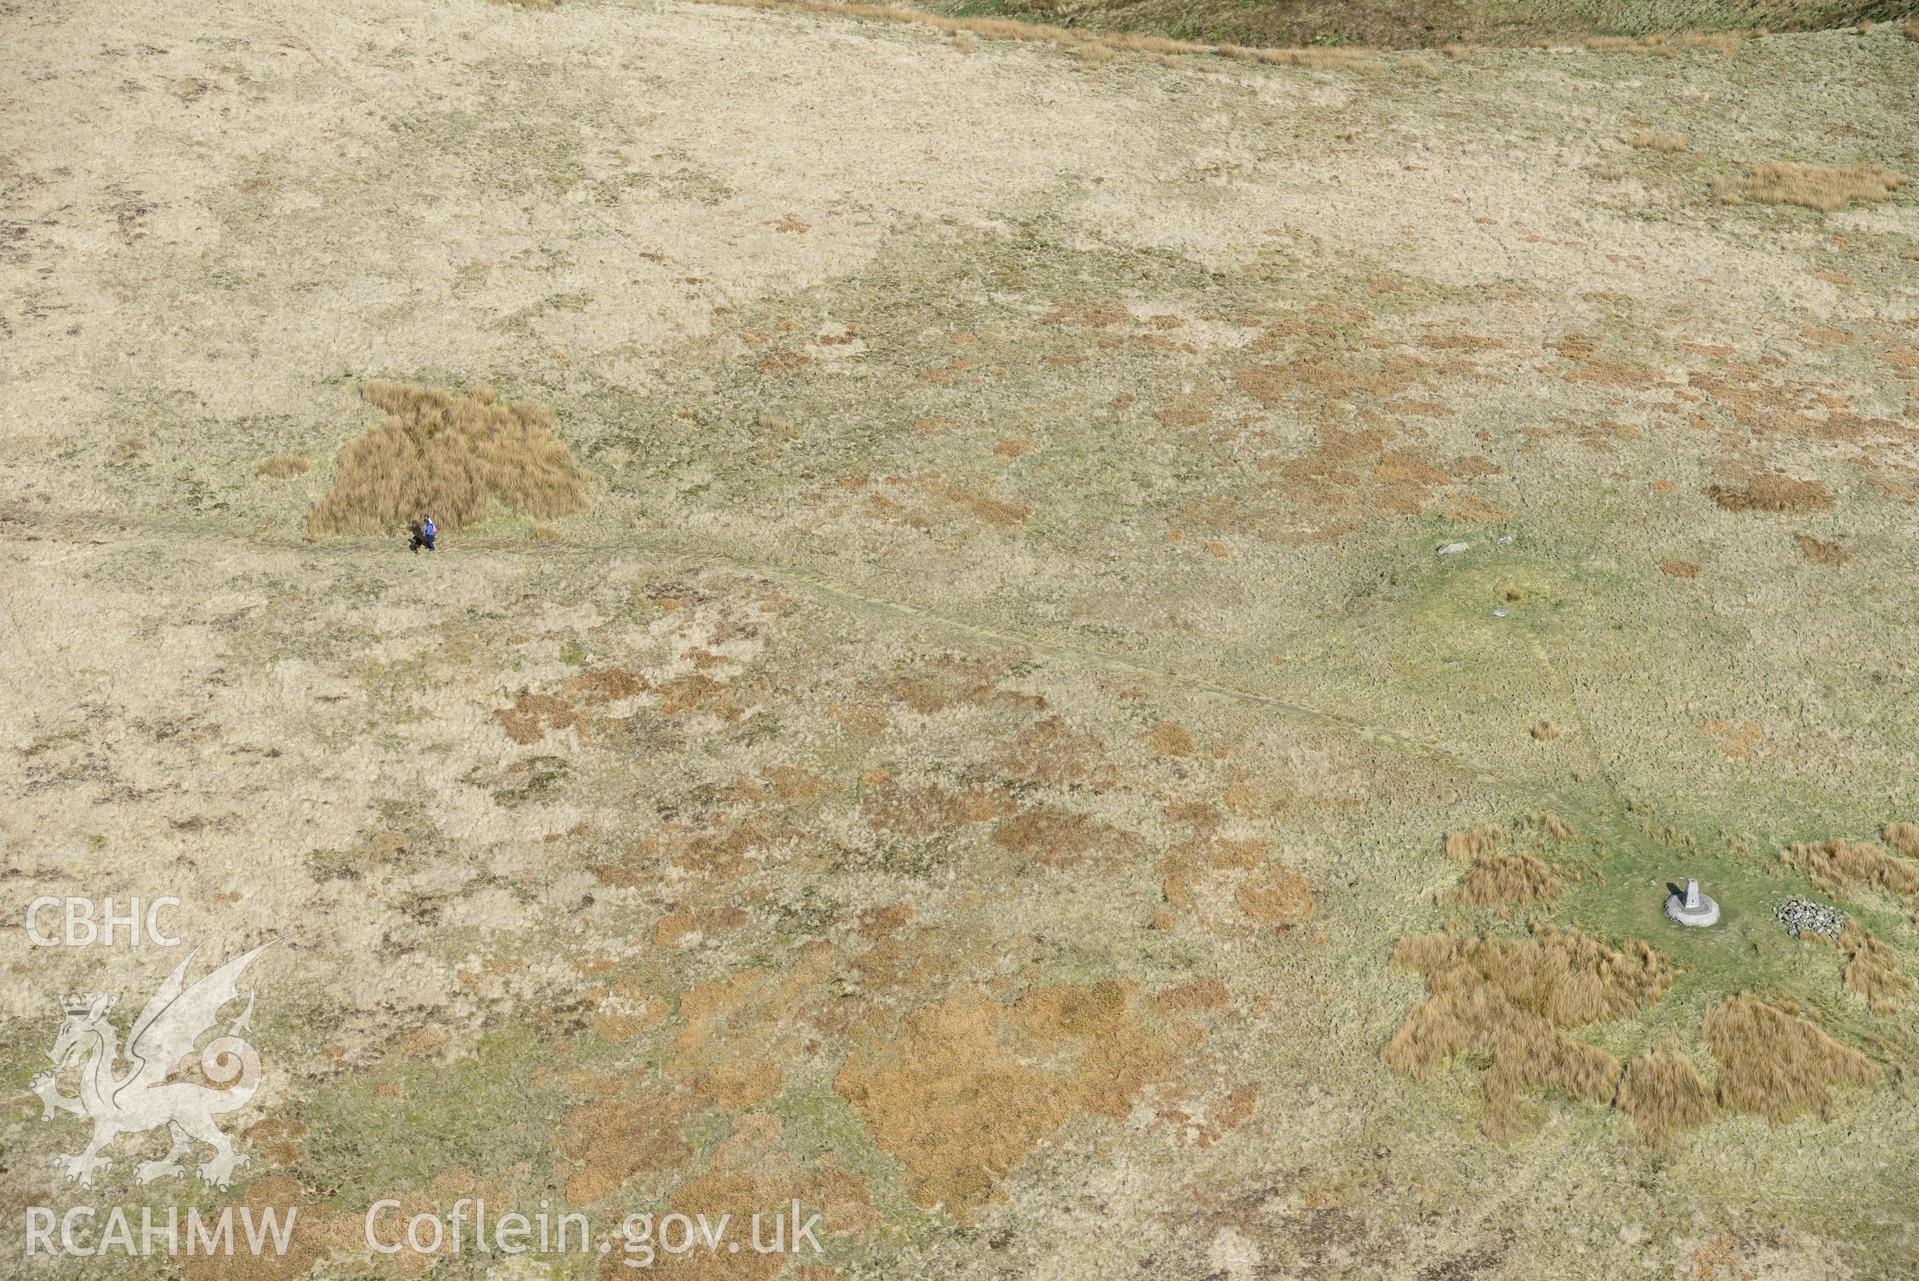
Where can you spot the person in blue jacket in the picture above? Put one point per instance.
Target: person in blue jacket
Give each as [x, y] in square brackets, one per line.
[426, 533]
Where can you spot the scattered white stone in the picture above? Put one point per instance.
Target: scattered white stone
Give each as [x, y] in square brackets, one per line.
[1452, 549]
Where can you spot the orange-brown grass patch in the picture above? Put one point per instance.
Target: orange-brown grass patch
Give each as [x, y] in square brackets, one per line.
[950, 681]
[1234, 887]
[1679, 568]
[1500, 880]
[1653, 140]
[916, 813]
[577, 706]
[1026, 1069]
[1872, 970]
[1818, 549]
[451, 455]
[1821, 187]
[1055, 839]
[1509, 1001]
[1903, 837]
[1772, 493]
[1911, 29]
[735, 1044]
[283, 467]
[611, 1140]
[1169, 738]
[1473, 843]
[1775, 1064]
[1546, 731]
[1662, 1093]
[1052, 752]
[1846, 867]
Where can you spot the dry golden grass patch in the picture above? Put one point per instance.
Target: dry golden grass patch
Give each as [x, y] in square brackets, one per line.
[1822, 551]
[1872, 970]
[1653, 140]
[1509, 1001]
[1821, 187]
[1846, 867]
[1546, 731]
[1502, 880]
[283, 467]
[451, 455]
[1774, 1064]
[1912, 29]
[1662, 1093]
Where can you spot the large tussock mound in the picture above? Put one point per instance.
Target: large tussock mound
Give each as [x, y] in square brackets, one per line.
[1775, 1064]
[451, 455]
[1509, 1001]
[1662, 1093]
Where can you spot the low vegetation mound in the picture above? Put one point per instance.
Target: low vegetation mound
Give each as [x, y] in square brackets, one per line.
[1775, 1064]
[1508, 1002]
[451, 455]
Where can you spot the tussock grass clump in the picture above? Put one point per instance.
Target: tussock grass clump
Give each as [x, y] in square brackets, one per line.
[1873, 970]
[1818, 549]
[1774, 1064]
[1842, 867]
[1501, 880]
[449, 454]
[1662, 1093]
[283, 467]
[1903, 837]
[1471, 844]
[1653, 140]
[1772, 493]
[1509, 1001]
[1821, 187]
[1553, 825]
